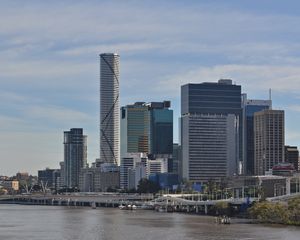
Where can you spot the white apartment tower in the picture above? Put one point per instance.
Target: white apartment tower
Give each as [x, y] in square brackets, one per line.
[109, 108]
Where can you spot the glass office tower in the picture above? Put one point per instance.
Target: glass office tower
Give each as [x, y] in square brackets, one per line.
[161, 129]
[134, 129]
[147, 128]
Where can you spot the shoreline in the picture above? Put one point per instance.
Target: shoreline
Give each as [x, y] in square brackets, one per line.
[235, 219]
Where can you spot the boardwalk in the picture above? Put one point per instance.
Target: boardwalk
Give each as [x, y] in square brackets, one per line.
[79, 199]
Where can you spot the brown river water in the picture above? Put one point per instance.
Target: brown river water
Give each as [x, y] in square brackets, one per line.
[55, 222]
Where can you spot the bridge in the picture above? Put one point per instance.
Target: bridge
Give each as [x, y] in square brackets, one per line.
[78, 199]
[187, 202]
[174, 202]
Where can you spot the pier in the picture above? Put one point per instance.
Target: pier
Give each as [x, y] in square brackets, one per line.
[78, 199]
[190, 203]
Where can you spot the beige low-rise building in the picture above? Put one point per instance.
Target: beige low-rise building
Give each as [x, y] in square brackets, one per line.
[11, 185]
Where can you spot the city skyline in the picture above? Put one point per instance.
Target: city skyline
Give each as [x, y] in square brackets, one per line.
[49, 76]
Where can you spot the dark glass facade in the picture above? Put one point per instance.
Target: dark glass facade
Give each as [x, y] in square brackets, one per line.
[161, 131]
[211, 98]
[221, 98]
[147, 128]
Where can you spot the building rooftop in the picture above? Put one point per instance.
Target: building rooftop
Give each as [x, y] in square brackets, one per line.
[108, 54]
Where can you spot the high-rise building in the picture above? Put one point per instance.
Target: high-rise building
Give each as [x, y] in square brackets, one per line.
[147, 128]
[211, 130]
[109, 108]
[291, 155]
[209, 149]
[161, 129]
[135, 129]
[268, 140]
[75, 155]
[250, 107]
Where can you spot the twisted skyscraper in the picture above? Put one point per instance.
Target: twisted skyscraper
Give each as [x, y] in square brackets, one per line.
[109, 108]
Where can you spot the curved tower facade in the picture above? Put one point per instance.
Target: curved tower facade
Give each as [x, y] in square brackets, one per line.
[109, 108]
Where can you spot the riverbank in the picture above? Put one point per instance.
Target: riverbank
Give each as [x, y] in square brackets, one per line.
[286, 213]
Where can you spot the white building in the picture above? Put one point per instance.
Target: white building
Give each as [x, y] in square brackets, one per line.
[128, 164]
[210, 146]
[109, 108]
[159, 165]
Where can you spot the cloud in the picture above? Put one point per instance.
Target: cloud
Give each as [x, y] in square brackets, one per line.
[7, 96]
[8, 123]
[122, 47]
[294, 108]
[41, 69]
[74, 28]
[49, 64]
[56, 114]
[251, 77]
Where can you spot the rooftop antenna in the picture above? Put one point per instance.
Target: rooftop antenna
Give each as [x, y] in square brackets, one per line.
[270, 97]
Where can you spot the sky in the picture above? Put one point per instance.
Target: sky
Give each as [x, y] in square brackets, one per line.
[49, 64]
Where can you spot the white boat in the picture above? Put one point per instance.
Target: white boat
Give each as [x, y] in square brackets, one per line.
[128, 207]
[122, 207]
[133, 207]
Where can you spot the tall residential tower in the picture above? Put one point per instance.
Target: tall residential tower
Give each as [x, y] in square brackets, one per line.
[268, 140]
[75, 155]
[250, 107]
[109, 108]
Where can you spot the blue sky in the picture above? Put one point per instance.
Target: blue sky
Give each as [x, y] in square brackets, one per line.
[49, 64]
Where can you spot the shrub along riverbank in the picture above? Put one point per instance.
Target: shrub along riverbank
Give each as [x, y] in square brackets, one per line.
[282, 213]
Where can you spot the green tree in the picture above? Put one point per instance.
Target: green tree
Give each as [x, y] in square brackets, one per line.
[147, 186]
[211, 186]
[268, 212]
[294, 210]
[222, 208]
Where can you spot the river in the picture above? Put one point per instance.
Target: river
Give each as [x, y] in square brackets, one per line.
[62, 223]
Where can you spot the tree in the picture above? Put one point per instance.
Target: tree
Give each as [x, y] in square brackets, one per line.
[268, 212]
[147, 186]
[211, 186]
[222, 208]
[294, 209]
